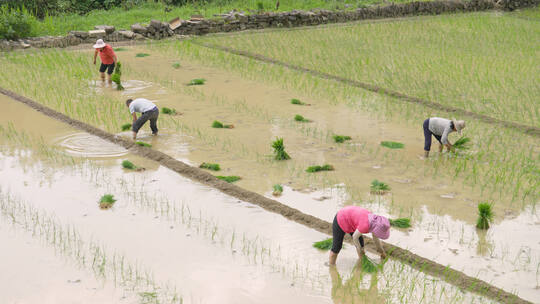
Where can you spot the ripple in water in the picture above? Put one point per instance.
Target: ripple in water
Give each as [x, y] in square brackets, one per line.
[87, 145]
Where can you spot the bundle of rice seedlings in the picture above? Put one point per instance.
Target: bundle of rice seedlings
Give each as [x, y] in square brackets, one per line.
[323, 245]
[300, 118]
[197, 81]
[106, 201]
[378, 187]
[126, 164]
[485, 216]
[279, 150]
[400, 222]
[218, 125]
[278, 190]
[117, 75]
[142, 55]
[367, 265]
[209, 166]
[126, 127]
[143, 144]
[176, 65]
[313, 169]
[462, 143]
[341, 138]
[120, 49]
[168, 111]
[229, 179]
[392, 144]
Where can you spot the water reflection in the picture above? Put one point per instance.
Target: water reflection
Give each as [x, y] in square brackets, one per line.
[354, 290]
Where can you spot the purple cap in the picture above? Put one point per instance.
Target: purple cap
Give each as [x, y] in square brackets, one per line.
[379, 226]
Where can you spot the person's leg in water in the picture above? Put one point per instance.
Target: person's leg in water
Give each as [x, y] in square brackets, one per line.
[441, 146]
[139, 123]
[337, 241]
[110, 70]
[427, 138]
[153, 122]
[102, 69]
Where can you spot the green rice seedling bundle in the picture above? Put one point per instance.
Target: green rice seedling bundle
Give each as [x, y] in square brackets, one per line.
[367, 265]
[176, 65]
[401, 222]
[120, 49]
[106, 201]
[126, 127]
[229, 179]
[278, 190]
[462, 143]
[142, 55]
[313, 169]
[168, 111]
[219, 125]
[197, 81]
[143, 144]
[300, 118]
[279, 150]
[485, 216]
[392, 144]
[117, 75]
[210, 166]
[323, 245]
[126, 164]
[378, 187]
[341, 138]
[295, 101]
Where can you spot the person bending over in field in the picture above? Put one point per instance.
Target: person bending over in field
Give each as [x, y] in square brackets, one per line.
[440, 128]
[355, 221]
[148, 110]
[108, 59]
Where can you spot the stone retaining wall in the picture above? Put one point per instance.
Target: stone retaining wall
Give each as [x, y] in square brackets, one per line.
[238, 21]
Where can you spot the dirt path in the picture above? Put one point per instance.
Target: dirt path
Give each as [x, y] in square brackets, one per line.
[529, 130]
[446, 273]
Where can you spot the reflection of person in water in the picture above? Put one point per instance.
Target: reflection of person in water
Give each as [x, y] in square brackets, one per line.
[350, 292]
[355, 220]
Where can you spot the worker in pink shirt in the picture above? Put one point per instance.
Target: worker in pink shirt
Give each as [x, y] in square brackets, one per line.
[108, 58]
[356, 221]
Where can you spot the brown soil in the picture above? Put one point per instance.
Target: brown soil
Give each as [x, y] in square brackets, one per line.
[448, 274]
[529, 130]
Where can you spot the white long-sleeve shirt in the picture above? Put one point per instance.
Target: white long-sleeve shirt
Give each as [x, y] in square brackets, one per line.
[441, 127]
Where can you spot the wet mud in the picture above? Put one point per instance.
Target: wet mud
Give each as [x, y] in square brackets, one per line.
[448, 274]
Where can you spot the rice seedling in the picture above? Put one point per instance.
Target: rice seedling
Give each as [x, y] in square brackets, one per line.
[341, 138]
[106, 201]
[210, 166]
[143, 144]
[485, 216]
[323, 245]
[296, 101]
[117, 75]
[229, 179]
[279, 150]
[392, 144]
[400, 222]
[378, 187]
[120, 49]
[278, 190]
[367, 265]
[462, 143]
[313, 169]
[126, 164]
[126, 127]
[197, 81]
[219, 125]
[176, 65]
[300, 118]
[142, 55]
[168, 111]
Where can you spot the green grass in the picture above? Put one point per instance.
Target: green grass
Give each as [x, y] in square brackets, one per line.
[126, 127]
[341, 138]
[300, 118]
[219, 125]
[400, 222]
[229, 179]
[126, 164]
[176, 65]
[313, 169]
[323, 245]
[279, 150]
[168, 111]
[142, 55]
[197, 81]
[378, 187]
[278, 190]
[392, 144]
[210, 166]
[485, 216]
[143, 144]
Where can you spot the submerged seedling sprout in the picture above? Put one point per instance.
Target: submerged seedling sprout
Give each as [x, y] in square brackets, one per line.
[279, 150]
[485, 216]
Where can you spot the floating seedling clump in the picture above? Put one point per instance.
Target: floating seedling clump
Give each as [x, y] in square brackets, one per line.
[323, 245]
[462, 143]
[401, 222]
[485, 216]
[209, 166]
[168, 111]
[341, 138]
[278, 190]
[229, 179]
[176, 65]
[197, 81]
[392, 144]
[117, 75]
[142, 55]
[219, 125]
[106, 201]
[300, 118]
[313, 169]
[295, 101]
[378, 187]
[126, 127]
[279, 150]
[126, 164]
[143, 144]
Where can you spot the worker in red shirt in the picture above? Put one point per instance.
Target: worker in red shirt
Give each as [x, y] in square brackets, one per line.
[108, 59]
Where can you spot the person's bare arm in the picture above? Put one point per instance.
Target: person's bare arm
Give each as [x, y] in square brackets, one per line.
[115, 60]
[379, 247]
[95, 56]
[356, 241]
[134, 117]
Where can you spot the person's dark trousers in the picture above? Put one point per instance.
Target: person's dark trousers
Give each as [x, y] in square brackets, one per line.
[427, 136]
[151, 115]
[337, 237]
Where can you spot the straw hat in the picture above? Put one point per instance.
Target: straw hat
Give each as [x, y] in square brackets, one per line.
[379, 226]
[459, 125]
[99, 44]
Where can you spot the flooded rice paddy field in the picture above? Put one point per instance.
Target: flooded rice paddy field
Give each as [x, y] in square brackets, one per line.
[205, 246]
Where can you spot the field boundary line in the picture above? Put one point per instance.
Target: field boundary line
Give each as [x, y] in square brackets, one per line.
[528, 130]
[446, 273]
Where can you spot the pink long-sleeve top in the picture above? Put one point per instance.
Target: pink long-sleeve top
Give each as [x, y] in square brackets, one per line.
[353, 217]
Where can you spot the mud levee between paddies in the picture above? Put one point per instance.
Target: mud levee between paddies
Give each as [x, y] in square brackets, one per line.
[446, 273]
[529, 130]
